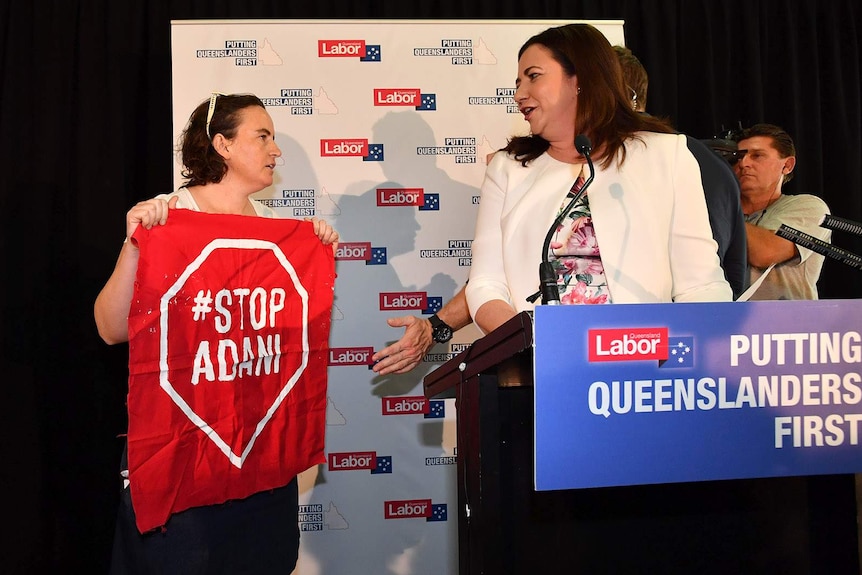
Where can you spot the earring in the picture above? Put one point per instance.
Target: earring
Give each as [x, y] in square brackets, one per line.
[579, 89]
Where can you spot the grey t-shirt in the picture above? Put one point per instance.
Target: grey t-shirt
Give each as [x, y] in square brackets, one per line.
[797, 277]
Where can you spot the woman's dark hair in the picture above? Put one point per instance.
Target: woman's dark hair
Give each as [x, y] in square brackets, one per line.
[604, 113]
[202, 165]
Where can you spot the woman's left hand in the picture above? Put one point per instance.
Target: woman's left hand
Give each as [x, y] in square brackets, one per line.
[325, 232]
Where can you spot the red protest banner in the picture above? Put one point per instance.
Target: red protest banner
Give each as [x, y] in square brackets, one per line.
[228, 340]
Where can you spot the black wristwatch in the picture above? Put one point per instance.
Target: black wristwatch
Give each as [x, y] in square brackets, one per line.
[440, 330]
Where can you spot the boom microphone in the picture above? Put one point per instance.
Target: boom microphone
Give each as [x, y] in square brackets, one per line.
[841, 225]
[819, 246]
[548, 288]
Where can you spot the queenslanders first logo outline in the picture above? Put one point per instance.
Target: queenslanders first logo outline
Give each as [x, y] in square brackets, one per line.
[349, 49]
[460, 50]
[302, 201]
[460, 249]
[300, 101]
[244, 53]
[454, 349]
[462, 149]
[313, 517]
[503, 97]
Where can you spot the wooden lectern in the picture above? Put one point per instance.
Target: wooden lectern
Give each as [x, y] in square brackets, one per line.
[788, 525]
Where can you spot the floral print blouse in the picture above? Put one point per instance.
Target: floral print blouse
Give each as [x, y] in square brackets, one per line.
[575, 254]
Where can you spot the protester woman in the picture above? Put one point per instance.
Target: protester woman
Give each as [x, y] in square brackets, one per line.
[229, 153]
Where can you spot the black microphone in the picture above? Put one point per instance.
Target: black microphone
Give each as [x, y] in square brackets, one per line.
[819, 246]
[547, 276]
[841, 225]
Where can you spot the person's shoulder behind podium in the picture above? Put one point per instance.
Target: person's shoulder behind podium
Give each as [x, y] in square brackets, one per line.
[228, 153]
[639, 235]
[720, 185]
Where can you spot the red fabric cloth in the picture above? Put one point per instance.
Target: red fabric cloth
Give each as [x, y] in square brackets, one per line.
[228, 339]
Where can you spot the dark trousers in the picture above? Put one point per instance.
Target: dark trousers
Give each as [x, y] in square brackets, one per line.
[257, 535]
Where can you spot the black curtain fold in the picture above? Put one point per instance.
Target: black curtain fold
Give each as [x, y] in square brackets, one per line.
[85, 119]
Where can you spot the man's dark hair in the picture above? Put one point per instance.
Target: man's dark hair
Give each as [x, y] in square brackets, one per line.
[781, 140]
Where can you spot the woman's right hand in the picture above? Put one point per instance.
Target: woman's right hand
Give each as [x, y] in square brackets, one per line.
[111, 309]
[149, 213]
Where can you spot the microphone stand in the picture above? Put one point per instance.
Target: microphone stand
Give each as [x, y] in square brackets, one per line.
[548, 289]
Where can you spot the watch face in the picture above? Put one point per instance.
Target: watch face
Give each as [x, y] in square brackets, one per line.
[442, 333]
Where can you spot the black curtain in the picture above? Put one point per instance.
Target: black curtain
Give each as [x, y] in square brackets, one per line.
[85, 132]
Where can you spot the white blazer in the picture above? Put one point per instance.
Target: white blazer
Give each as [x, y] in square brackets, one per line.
[649, 216]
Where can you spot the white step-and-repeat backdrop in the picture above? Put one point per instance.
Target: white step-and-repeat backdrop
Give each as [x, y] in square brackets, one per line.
[384, 128]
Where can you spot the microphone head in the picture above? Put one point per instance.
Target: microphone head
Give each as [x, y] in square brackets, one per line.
[583, 144]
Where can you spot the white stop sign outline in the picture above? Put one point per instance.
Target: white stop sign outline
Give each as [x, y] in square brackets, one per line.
[164, 381]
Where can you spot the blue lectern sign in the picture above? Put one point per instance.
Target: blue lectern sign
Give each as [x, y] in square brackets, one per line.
[664, 393]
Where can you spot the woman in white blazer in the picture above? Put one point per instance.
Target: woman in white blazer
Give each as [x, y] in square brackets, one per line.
[638, 234]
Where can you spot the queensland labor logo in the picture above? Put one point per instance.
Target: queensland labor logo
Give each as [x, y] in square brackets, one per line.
[222, 345]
